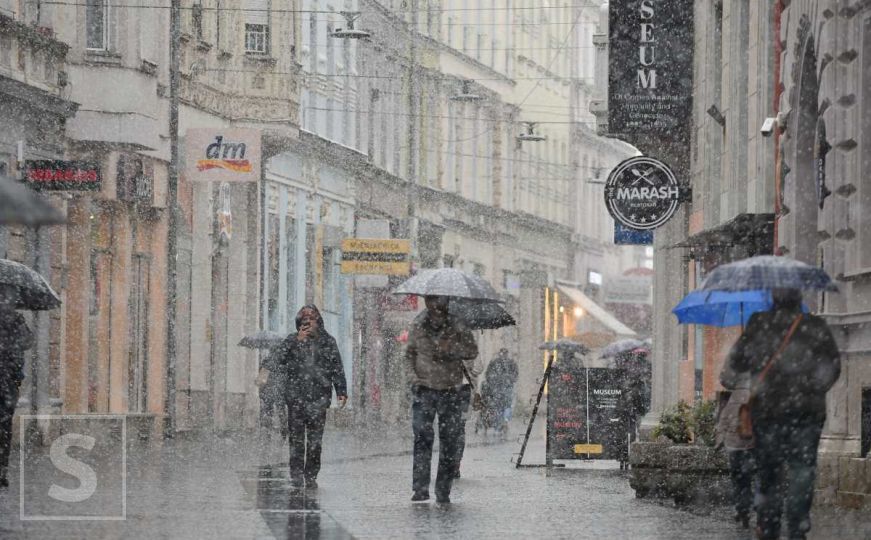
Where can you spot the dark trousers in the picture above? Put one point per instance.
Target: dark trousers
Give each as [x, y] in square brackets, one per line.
[786, 450]
[305, 426]
[741, 468]
[465, 402]
[8, 400]
[428, 403]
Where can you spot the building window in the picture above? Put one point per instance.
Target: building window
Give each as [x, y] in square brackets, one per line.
[257, 26]
[97, 23]
[594, 278]
[256, 38]
[197, 20]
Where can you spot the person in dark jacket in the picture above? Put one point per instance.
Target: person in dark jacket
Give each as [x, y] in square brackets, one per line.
[788, 406]
[440, 351]
[15, 338]
[311, 366]
[498, 390]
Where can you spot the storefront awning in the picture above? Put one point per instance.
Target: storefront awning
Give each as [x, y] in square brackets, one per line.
[595, 310]
[755, 231]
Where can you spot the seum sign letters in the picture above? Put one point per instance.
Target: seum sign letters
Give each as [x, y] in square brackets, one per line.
[650, 65]
[642, 193]
[224, 155]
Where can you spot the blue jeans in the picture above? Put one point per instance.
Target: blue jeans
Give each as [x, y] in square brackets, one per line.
[786, 450]
[428, 403]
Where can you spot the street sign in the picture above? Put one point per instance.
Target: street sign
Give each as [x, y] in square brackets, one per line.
[376, 256]
[57, 175]
[223, 155]
[584, 412]
[624, 236]
[642, 193]
[650, 67]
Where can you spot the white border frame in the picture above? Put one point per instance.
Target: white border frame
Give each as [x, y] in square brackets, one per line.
[21, 434]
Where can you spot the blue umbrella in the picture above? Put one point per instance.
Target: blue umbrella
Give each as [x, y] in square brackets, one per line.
[722, 308]
[767, 272]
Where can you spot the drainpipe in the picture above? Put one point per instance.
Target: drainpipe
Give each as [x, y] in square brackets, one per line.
[778, 52]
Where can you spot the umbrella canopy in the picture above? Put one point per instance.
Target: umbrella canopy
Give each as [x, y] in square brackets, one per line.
[22, 206]
[564, 346]
[767, 272]
[448, 282]
[723, 308]
[264, 339]
[622, 346]
[34, 293]
[480, 315]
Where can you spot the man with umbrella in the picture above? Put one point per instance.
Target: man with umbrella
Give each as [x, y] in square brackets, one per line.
[792, 360]
[15, 338]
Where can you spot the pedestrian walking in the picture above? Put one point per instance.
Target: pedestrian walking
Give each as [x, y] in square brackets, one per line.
[15, 338]
[793, 361]
[440, 348]
[498, 391]
[738, 446]
[311, 366]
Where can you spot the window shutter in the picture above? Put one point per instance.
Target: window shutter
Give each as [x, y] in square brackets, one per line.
[256, 11]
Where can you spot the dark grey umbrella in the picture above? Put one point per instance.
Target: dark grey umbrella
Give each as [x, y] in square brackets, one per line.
[565, 346]
[264, 339]
[34, 293]
[481, 315]
[22, 206]
[767, 272]
[448, 282]
[622, 346]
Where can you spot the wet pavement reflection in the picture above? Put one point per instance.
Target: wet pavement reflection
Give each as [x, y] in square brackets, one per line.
[292, 512]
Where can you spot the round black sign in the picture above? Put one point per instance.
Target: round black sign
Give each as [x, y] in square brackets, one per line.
[642, 193]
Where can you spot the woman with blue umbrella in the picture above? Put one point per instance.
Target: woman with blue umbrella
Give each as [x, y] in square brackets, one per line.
[792, 361]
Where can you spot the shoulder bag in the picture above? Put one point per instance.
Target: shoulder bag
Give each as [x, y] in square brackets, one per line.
[745, 419]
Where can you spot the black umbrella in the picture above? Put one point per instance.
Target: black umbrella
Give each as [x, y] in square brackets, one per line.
[34, 293]
[480, 315]
[565, 346]
[22, 206]
[264, 339]
[448, 282]
[623, 346]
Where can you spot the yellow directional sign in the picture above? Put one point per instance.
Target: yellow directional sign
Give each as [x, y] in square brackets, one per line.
[588, 449]
[376, 256]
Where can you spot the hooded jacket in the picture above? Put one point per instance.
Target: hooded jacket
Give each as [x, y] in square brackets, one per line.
[15, 338]
[433, 366]
[799, 378]
[310, 369]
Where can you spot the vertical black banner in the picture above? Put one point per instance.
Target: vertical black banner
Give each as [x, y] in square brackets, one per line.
[650, 66]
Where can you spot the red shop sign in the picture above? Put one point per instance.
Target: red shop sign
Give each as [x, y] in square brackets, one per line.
[57, 175]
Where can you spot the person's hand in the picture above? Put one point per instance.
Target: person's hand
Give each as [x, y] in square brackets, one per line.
[262, 377]
[304, 332]
[343, 400]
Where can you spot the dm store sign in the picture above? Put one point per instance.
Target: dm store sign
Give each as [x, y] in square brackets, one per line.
[642, 193]
[223, 155]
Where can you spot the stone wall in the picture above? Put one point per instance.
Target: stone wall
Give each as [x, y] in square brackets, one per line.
[844, 481]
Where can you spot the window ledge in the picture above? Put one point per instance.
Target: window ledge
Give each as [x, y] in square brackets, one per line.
[260, 58]
[855, 275]
[204, 46]
[224, 54]
[97, 56]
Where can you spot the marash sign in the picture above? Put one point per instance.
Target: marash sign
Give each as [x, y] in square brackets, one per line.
[223, 155]
[56, 175]
[642, 193]
[650, 65]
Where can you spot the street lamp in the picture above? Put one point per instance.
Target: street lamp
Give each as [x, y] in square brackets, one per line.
[350, 32]
[578, 312]
[466, 94]
[530, 135]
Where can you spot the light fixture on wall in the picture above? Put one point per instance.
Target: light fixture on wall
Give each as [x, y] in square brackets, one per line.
[714, 112]
[530, 135]
[350, 32]
[466, 93]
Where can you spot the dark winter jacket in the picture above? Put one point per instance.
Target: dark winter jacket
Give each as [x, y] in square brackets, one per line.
[15, 338]
[499, 381]
[799, 378]
[310, 369]
[428, 364]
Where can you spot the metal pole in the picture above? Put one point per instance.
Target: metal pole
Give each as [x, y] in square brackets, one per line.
[544, 379]
[412, 138]
[172, 206]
